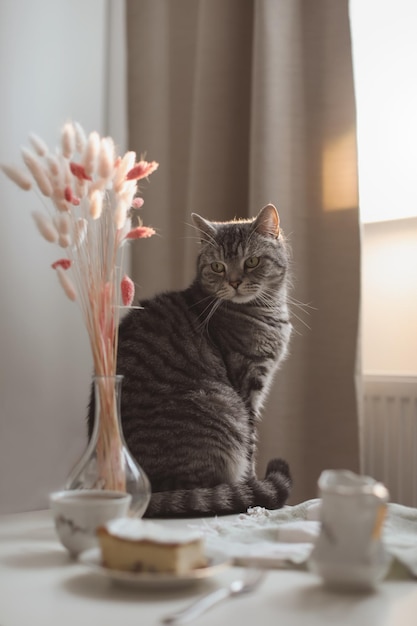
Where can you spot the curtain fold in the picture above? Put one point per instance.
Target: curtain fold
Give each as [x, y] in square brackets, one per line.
[245, 103]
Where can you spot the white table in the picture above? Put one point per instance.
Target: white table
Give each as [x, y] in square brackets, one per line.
[41, 585]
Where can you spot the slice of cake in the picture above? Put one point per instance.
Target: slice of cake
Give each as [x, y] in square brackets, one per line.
[140, 546]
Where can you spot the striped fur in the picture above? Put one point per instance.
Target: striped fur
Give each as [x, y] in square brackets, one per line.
[197, 365]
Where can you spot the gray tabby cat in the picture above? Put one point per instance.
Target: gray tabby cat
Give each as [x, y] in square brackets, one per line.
[197, 366]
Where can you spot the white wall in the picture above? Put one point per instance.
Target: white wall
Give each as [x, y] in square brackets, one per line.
[54, 65]
[389, 297]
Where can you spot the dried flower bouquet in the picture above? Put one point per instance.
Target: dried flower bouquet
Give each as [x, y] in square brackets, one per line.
[92, 203]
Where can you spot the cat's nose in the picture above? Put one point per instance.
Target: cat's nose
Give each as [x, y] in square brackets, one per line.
[235, 283]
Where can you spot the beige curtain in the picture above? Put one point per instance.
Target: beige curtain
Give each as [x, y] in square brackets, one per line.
[245, 103]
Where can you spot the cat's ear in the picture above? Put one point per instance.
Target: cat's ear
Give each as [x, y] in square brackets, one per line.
[206, 229]
[267, 222]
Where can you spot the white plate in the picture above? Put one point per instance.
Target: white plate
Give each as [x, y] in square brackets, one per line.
[148, 580]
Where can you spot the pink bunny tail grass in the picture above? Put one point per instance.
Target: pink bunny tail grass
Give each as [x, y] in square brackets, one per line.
[100, 184]
[45, 227]
[61, 205]
[17, 176]
[125, 164]
[96, 204]
[64, 263]
[35, 167]
[80, 187]
[140, 232]
[137, 203]
[142, 170]
[64, 241]
[91, 153]
[68, 140]
[122, 232]
[66, 283]
[69, 196]
[106, 158]
[66, 174]
[80, 232]
[63, 223]
[128, 191]
[128, 290]
[79, 171]
[38, 145]
[53, 164]
[80, 138]
[120, 213]
[86, 171]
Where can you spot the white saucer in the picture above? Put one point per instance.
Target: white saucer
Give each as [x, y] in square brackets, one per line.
[150, 580]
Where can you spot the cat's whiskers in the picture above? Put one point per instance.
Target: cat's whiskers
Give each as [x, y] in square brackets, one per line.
[297, 317]
[270, 303]
[212, 301]
[193, 238]
[265, 300]
[202, 315]
[205, 236]
[296, 303]
[205, 322]
[202, 300]
[301, 305]
[273, 294]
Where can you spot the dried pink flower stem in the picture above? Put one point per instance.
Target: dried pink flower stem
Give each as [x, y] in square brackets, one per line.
[92, 191]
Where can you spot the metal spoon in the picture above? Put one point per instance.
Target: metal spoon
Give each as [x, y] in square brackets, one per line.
[244, 585]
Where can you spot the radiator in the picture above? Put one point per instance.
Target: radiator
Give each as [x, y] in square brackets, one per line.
[389, 444]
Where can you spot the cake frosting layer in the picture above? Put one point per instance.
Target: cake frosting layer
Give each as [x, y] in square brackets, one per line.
[142, 546]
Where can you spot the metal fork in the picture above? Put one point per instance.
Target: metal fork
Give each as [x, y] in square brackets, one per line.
[249, 582]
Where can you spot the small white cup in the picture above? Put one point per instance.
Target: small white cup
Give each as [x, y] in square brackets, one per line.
[78, 513]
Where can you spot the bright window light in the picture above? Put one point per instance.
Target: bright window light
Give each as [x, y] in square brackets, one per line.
[384, 38]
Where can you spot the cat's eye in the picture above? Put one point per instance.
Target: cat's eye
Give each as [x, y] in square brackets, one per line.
[218, 267]
[252, 261]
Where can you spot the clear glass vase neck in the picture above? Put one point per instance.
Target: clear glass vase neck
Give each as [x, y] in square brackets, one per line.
[107, 462]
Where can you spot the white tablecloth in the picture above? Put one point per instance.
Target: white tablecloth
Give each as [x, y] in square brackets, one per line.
[40, 584]
[285, 537]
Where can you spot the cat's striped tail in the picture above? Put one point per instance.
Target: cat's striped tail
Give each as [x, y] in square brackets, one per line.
[272, 493]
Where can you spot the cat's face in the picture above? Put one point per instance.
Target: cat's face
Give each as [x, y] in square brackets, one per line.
[242, 261]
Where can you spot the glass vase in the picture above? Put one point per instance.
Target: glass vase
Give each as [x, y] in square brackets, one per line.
[107, 462]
